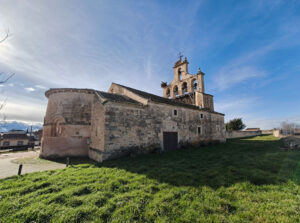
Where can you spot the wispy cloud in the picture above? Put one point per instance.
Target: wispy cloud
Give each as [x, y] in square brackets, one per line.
[29, 89]
[264, 122]
[235, 103]
[248, 108]
[24, 111]
[40, 87]
[91, 44]
[229, 77]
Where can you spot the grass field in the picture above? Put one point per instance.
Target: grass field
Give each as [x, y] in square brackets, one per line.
[244, 180]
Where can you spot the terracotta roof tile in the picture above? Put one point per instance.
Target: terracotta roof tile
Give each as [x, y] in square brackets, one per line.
[158, 99]
[117, 97]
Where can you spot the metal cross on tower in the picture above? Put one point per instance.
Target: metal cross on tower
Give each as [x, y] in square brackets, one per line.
[180, 55]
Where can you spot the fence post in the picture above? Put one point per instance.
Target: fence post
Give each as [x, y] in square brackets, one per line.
[68, 162]
[20, 169]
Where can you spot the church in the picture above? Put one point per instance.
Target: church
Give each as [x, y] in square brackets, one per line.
[127, 121]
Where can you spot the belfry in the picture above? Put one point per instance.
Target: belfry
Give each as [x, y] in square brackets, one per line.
[188, 88]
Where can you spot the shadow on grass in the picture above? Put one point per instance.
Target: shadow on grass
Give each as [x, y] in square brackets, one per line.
[257, 160]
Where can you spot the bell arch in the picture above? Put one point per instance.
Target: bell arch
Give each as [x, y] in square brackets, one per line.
[194, 84]
[184, 88]
[168, 93]
[179, 73]
[175, 91]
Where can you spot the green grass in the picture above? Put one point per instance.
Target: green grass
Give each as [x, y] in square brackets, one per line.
[244, 180]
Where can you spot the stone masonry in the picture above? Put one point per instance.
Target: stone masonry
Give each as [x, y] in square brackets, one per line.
[125, 121]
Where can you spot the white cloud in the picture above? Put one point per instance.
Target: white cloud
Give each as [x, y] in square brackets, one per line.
[40, 87]
[229, 77]
[268, 123]
[76, 48]
[24, 111]
[248, 109]
[230, 104]
[30, 89]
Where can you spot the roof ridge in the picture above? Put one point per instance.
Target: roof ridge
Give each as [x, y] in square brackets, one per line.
[129, 88]
[138, 90]
[116, 97]
[159, 99]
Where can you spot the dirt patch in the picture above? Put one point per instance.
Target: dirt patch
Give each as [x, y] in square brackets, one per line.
[9, 163]
[31, 160]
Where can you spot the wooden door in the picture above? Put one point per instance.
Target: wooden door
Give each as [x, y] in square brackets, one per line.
[170, 140]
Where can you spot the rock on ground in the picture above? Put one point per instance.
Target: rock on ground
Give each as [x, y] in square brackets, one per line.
[291, 142]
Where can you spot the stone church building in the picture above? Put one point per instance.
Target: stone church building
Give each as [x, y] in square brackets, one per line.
[124, 120]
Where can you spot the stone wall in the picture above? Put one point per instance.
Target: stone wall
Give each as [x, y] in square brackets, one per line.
[66, 130]
[241, 134]
[280, 133]
[139, 129]
[267, 132]
[53, 147]
[79, 122]
[96, 148]
[187, 98]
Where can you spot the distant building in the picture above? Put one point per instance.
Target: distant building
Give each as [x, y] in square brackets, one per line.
[252, 129]
[37, 137]
[292, 131]
[14, 139]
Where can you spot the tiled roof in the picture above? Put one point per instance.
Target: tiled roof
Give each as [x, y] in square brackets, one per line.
[125, 99]
[14, 136]
[117, 97]
[252, 129]
[108, 96]
[159, 99]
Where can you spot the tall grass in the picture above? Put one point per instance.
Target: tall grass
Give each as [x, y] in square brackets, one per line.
[244, 180]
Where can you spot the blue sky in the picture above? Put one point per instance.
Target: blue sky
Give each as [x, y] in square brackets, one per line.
[249, 50]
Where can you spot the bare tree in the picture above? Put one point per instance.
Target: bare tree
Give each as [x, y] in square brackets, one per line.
[5, 79]
[7, 34]
[288, 128]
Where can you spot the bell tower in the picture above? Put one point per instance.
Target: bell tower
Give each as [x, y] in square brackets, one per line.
[187, 88]
[180, 69]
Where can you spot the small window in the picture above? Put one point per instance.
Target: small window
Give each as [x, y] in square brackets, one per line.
[201, 115]
[6, 143]
[175, 112]
[20, 143]
[199, 130]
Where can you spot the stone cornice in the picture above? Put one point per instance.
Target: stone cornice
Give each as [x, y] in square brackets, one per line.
[62, 90]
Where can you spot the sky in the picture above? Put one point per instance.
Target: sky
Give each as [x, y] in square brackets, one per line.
[248, 50]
